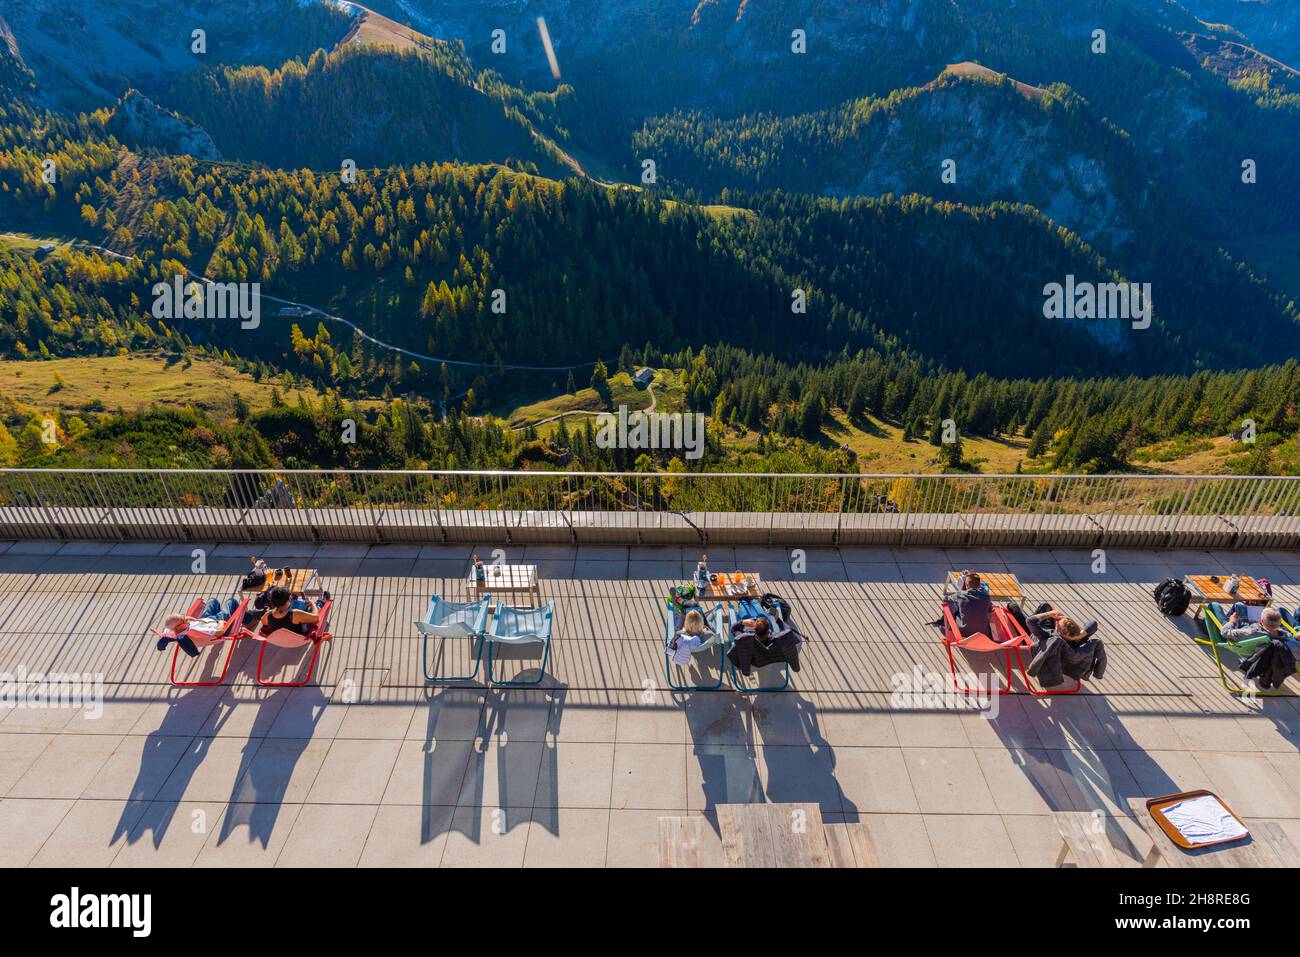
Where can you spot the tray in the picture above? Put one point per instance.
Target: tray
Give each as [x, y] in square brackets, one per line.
[1156, 806]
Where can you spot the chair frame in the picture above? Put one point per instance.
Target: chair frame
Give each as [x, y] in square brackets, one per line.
[235, 621]
[980, 642]
[1214, 627]
[317, 636]
[493, 637]
[716, 638]
[1012, 624]
[733, 616]
[479, 633]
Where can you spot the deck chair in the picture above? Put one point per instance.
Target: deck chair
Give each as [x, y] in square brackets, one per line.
[454, 619]
[231, 631]
[284, 638]
[734, 616]
[714, 637]
[521, 626]
[1213, 617]
[979, 642]
[1011, 625]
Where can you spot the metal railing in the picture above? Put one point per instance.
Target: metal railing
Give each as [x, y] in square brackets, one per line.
[634, 507]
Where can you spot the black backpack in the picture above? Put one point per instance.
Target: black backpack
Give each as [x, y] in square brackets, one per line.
[1172, 597]
[776, 606]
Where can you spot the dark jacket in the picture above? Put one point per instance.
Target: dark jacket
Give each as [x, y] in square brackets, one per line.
[1056, 659]
[747, 652]
[1270, 665]
[973, 609]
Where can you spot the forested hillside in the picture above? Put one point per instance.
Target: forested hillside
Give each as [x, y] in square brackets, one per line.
[856, 212]
[375, 107]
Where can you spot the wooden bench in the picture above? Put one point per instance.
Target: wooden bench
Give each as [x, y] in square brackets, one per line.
[764, 835]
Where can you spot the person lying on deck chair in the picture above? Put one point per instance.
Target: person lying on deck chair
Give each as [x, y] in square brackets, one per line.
[1062, 647]
[971, 606]
[293, 614]
[177, 628]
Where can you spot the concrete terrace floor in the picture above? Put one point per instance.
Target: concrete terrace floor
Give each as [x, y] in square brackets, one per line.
[374, 767]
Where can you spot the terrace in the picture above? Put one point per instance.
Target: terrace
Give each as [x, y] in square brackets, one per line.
[373, 765]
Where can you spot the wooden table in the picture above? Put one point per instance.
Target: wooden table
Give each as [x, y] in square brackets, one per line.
[506, 580]
[1203, 589]
[299, 581]
[1001, 584]
[1267, 846]
[681, 840]
[1094, 840]
[773, 835]
[717, 591]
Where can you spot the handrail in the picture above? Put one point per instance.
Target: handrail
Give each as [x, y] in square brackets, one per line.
[1018, 476]
[682, 507]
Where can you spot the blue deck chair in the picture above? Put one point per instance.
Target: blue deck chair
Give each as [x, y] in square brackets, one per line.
[454, 619]
[714, 637]
[520, 626]
[752, 609]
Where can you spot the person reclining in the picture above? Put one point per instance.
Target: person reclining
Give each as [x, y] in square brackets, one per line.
[1239, 627]
[1047, 621]
[690, 633]
[211, 619]
[755, 644]
[971, 606]
[290, 613]
[1062, 648]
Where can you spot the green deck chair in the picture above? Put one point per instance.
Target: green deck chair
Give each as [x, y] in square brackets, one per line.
[1214, 615]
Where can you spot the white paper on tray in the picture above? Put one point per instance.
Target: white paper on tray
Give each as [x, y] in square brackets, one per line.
[1204, 819]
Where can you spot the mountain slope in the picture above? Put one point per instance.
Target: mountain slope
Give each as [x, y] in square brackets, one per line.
[1009, 141]
[85, 55]
[1271, 25]
[731, 59]
[375, 105]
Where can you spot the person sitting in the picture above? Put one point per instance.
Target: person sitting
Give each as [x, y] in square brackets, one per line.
[209, 622]
[290, 612]
[971, 606]
[1239, 627]
[755, 644]
[690, 633]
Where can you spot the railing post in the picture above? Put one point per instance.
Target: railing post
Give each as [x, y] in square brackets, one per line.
[112, 513]
[771, 512]
[49, 519]
[176, 515]
[839, 516]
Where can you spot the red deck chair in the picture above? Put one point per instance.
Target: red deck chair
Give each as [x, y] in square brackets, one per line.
[284, 638]
[231, 630]
[1011, 623]
[953, 638]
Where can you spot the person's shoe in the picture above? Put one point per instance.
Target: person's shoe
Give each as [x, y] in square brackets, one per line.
[325, 595]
